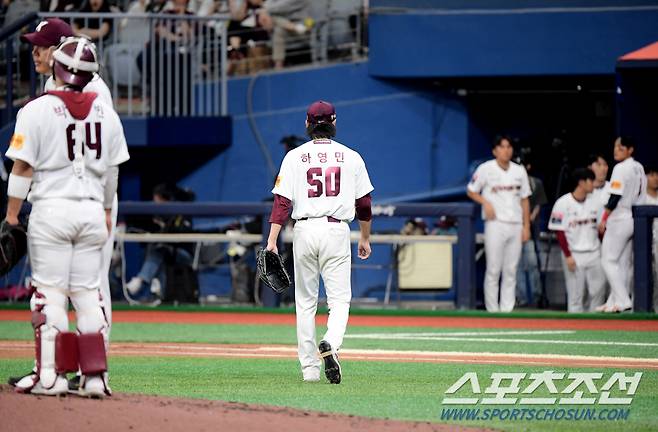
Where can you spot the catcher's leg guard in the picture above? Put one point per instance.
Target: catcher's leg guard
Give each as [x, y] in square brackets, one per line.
[48, 319]
[93, 365]
[92, 343]
[66, 352]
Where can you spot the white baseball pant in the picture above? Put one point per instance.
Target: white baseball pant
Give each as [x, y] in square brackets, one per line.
[587, 278]
[502, 245]
[617, 262]
[65, 238]
[321, 248]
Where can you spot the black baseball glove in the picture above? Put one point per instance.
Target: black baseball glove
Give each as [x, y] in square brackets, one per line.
[272, 271]
[13, 246]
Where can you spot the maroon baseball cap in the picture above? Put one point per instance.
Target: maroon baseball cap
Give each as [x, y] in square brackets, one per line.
[321, 112]
[48, 33]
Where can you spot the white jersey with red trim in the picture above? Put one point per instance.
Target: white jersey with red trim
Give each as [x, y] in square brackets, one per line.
[70, 157]
[578, 220]
[504, 189]
[323, 178]
[96, 85]
[629, 181]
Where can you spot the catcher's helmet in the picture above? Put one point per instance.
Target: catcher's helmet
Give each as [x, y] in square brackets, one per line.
[321, 112]
[75, 61]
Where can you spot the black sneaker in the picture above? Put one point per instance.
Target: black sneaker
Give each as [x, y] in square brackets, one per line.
[74, 383]
[331, 364]
[12, 381]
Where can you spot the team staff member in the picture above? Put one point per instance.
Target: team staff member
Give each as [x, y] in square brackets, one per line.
[501, 187]
[66, 148]
[45, 39]
[574, 219]
[325, 184]
[628, 187]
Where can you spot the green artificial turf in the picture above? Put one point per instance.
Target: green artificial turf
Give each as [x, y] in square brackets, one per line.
[408, 391]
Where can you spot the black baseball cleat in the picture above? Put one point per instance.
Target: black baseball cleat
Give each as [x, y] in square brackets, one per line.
[331, 364]
[74, 384]
[12, 381]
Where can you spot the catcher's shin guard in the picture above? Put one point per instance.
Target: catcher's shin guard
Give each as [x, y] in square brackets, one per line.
[93, 365]
[48, 317]
[66, 352]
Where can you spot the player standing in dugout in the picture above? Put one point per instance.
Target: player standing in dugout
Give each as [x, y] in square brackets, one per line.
[325, 184]
[501, 187]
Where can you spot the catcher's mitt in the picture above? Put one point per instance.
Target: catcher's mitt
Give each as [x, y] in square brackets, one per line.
[272, 271]
[13, 246]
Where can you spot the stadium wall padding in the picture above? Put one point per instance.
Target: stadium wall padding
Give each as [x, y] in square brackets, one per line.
[462, 43]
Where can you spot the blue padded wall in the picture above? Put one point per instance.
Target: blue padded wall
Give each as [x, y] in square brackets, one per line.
[519, 39]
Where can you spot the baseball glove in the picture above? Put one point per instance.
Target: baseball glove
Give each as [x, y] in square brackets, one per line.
[13, 246]
[272, 271]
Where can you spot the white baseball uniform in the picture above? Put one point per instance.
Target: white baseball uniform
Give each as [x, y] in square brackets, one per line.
[654, 201]
[70, 158]
[578, 220]
[600, 197]
[629, 182]
[322, 178]
[504, 189]
[98, 86]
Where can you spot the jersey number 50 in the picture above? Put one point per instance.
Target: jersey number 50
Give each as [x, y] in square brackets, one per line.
[70, 139]
[331, 181]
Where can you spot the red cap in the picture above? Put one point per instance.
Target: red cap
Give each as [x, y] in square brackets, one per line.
[321, 112]
[49, 33]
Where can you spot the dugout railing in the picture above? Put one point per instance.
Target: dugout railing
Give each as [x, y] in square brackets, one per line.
[643, 217]
[462, 292]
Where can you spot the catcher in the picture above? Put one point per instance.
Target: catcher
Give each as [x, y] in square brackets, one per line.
[66, 148]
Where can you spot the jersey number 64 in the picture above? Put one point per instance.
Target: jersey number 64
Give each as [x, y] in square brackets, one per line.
[71, 139]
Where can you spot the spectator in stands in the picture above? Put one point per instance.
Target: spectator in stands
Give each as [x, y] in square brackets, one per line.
[173, 55]
[60, 5]
[97, 29]
[248, 51]
[153, 271]
[283, 18]
[528, 282]
[15, 9]
[652, 199]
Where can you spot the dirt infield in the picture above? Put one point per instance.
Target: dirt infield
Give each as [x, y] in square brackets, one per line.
[139, 413]
[25, 349]
[156, 316]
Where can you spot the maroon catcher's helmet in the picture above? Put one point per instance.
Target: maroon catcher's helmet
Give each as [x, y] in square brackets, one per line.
[74, 61]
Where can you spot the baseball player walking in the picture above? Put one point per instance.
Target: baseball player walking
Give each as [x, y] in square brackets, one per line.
[66, 148]
[325, 184]
[574, 219]
[45, 39]
[501, 187]
[628, 187]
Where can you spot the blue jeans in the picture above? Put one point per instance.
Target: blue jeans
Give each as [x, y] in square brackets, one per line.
[528, 288]
[154, 264]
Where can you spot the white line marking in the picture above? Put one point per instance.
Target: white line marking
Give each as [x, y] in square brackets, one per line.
[466, 333]
[438, 337]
